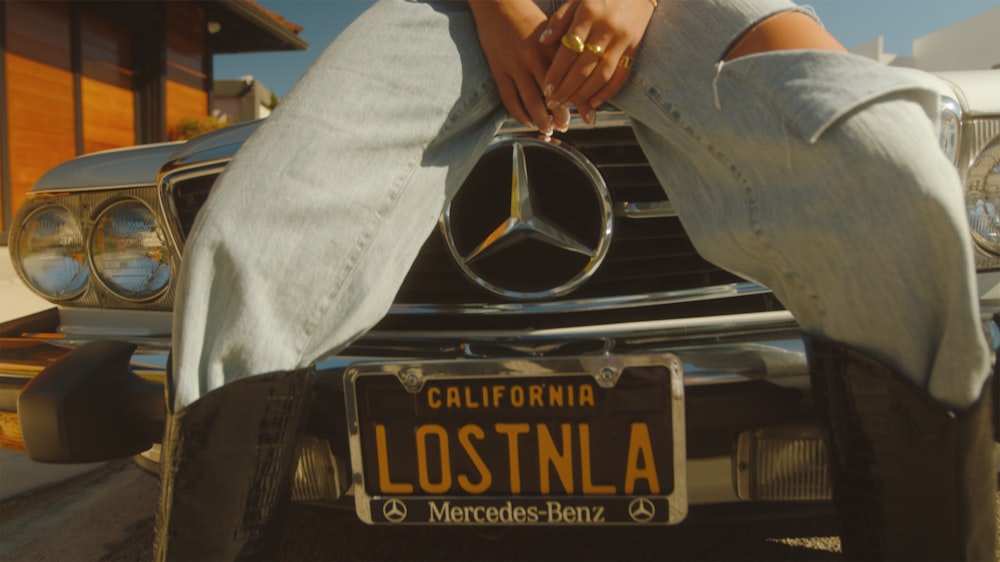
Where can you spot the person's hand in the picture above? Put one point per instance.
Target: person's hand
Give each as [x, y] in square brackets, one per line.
[609, 33]
[509, 32]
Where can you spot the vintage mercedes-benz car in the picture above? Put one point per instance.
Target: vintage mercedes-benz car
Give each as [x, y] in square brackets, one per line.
[701, 375]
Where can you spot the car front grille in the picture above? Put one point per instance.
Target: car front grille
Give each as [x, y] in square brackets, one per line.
[648, 255]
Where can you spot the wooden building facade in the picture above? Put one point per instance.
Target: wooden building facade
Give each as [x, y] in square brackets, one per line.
[81, 76]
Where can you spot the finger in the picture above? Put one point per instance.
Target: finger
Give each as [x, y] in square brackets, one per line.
[512, 101]
[587, 113]
[531, 98]
[602, 74]
[575, 76]
[591, 70]
[597, 40]
[623, 72]
[617, 82]
[530, 87]
[564, 59]
[560, 118]
[558, 23]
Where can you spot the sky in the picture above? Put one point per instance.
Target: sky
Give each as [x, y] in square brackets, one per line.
[853, 22]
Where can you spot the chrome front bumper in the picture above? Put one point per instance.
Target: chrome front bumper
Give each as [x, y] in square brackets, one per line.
[745, 378]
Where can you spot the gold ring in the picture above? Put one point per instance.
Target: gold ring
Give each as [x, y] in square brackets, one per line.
[626, 62]
[596, 49]
[572, 42]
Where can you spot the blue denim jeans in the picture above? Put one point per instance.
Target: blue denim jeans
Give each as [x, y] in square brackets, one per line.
[815, 173]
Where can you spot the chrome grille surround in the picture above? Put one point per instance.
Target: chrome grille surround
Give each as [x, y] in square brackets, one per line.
[650, 265]
[182, 192]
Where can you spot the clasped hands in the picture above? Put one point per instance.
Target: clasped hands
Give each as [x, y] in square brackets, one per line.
[579, 57]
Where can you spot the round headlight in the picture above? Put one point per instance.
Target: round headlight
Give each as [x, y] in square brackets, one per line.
[129, 251]
[50, 253]
[982, 198]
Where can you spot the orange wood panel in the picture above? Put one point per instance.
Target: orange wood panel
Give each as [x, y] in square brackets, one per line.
[106, 50]
[108, 102]
[186, 34]
[184, 102]
[40, 31]
[186, 44]
[3, 222]
[108, 116]
[39, 89]
[40, 121]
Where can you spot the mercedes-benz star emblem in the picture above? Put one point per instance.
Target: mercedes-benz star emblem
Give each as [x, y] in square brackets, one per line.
[641, 510]
[394, 511]
[541, 233]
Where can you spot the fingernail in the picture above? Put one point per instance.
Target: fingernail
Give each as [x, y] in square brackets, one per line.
[591, 117]
[547, 129]
[552, 104]
[545, 35]
[548, 90]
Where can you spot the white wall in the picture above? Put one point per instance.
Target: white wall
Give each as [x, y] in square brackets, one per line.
[971, 44]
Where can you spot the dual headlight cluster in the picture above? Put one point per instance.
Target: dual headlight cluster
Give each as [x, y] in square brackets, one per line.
[124, 249]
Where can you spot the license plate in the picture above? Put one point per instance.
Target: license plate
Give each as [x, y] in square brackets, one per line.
[586, 440]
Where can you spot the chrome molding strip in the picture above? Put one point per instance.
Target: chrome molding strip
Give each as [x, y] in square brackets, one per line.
[51, 192]
[606, 118]
[652, 210]
[166, 186]
[588, 305]
[675, 328]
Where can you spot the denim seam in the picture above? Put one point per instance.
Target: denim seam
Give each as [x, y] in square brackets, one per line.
[364, 243]
[785, 270]
[779, 262]
[360, 248]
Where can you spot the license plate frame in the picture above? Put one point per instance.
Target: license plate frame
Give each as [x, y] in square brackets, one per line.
[611, 380]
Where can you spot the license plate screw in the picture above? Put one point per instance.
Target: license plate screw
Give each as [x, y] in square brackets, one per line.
[412, 379]
[607, 377]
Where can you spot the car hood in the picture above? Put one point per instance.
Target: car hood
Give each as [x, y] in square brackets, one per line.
[137, 166]
[978, 90]
[119, 168]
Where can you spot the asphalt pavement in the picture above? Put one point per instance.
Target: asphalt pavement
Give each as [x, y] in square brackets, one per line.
[19, 475]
